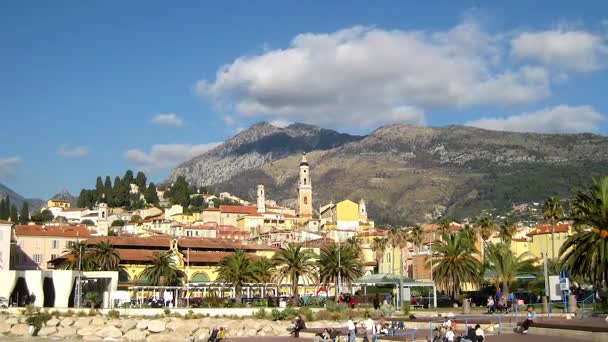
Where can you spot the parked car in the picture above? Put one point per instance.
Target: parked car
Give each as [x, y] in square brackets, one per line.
[4, 302]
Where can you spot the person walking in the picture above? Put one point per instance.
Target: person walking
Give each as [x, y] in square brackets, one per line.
[352, 329]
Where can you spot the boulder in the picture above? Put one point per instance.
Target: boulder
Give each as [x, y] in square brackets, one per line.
[47, 331]
[203, 336]
[250, 332]
[97, 321]
[128, 324]
[5, 327]
[91, 338]
[136, 335]
[53, 322]
[157, 326]
[164, 337]
[86, 331]
[142, 324]
[12, 320]
[82, 322]
[109, 331]
[67, 322]
[20, 330]
[65, 332]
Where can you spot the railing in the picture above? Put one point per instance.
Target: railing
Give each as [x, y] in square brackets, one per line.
[589, 300]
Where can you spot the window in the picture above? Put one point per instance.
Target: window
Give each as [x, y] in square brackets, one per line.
[1, 235]
[305, 200]
[304, 181]
[55, 244]
[53, 256]
[37, 258]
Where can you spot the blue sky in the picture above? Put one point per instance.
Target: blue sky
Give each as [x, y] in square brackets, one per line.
[94, 88]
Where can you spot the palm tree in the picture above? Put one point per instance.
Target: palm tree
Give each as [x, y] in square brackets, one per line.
[506, 230]
[585, 254]
[396, 238]
[378, 246]
[262, 270]
[444, 226]
[454, 263]
[415, 236]
[339, 262]
[552, 212]
[469, 233]
[505, 265]
[106, 256]
[294, 262]
[74, 250]
[355, 244]
[236, 269]
[486, 227]
[162, 270]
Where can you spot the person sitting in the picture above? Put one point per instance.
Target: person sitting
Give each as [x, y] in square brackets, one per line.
[297, 326]
[325, 336]
[491, 305]
[479, 334]
[221, 335]
[530, 318]
[213, 335]
[502, 303]
[470, 337]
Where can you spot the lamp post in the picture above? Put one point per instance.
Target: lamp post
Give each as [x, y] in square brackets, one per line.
[79, 278]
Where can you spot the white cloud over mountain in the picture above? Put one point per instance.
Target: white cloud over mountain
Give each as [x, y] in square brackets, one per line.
[8, 166]
[66, 151]
[558, 119]
[164, 156]
[575, 50]
[168, 119]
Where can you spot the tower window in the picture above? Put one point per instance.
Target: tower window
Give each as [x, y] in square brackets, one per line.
[304, 181]
[304, 171]
[305, 200]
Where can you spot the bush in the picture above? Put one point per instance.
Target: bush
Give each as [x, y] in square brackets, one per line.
[323, 315]
[307, 314]
[92, 312]
[37, 318]
[387, 310]
[81, 314]
[113, 314]
[406, 308]
[167, 312]
[260, 314]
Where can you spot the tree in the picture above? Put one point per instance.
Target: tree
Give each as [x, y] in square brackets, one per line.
[162, 268]
[585, 253]
[99, 189]
[140, 181]
[128, 178]
[339, 262]
[454, 263]
[107, 191]
[294, 262]
[92, 297]
[14, 214]
[120, 193]
[106, 256]
[507, 230]
[179, 193]
[486, 227]
[469, 233]
[552, 212]
[135, 218]
[117, 223]
[505, 265]
[396, 239]
[150, 194]
[87, 222]
[3, 209]
[74, 250]
[236, 269]
[42, 217]
[378, 246]
[24, 216]
[263, 269]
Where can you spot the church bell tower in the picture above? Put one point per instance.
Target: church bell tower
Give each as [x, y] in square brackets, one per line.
[304, 190]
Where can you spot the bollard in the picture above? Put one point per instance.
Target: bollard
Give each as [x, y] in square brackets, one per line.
[545, 308]
[572, 307]
[466, 306]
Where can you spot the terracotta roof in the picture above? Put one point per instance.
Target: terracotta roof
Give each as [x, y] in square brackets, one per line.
[164, 242]
[370, 233]
[140, 255]
[238, 209]
[370, 263]
[546, 229]
[211, 209]
[91, 215]
[318, 242]
[520, 240]
[60, 231]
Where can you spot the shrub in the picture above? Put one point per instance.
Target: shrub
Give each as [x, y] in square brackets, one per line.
[323, 315]
[307, 314]
[406, 308]
[81, 314]
[260, 314]
[113, 314]
[387, 310]
[92, 312]
[37, 318]
[167, 312]
[277, 315]
[68, 313]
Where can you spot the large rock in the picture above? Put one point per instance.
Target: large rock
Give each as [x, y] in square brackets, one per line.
[142, 324]
[20, 330]
[91, 338]
[109, 331]
[165, 337]
[53, 322]
[203, 336]
[136, 335]
[128, 324]
[97, 321]
[86, 331]
[250, 332]
[47, 331]
[12, 320]
[82, 322]
[65, 332]
[67, 322]
[5, 327]
[157, 326]
[186, 326]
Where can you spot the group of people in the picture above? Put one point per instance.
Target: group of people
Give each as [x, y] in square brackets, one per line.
[501, 303]
[217, 335]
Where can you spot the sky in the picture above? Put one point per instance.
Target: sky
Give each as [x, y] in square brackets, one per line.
[92, 88]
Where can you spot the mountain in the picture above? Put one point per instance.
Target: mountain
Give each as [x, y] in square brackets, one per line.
[260, 144]
[65, 195]
[17, 200]
[416, 174]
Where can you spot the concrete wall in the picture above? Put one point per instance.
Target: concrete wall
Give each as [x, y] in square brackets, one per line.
[5, 246]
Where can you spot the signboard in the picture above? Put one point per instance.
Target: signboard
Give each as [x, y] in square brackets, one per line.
[556, 287]
[406, 294]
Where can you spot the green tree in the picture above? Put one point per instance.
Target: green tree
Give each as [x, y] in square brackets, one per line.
[3, 209]
[81, 202]
[162, 270]
[92, 298]
[128, 178]
[505, 265]
[507, 230]
[585, 253]
[107, 191]
[87, 222]
[14, 214]
[294, 262]
[445, 225]
[150, 194]
[469, 233]
[120, 193]
[99, 189]
[397, 238]
[106, 256]
[552, 212]
[74, 250]
[486, 227]
[236, 269]
[140, 181]
[179, 193]
[42, 217]
[117, 223]
[339, 262]
[378, 246]
[263, 269]
[454, 263]
[24, 216]
[135, 218]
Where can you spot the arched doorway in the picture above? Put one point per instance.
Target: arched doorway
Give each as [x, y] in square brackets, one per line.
[199, 278]
[20, 295]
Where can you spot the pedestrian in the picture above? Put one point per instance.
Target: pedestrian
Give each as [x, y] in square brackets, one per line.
[449, 335]
[351, 302]
[377, 302]
[479, 334]
[530, 318]
[352, 329]
[370, 329]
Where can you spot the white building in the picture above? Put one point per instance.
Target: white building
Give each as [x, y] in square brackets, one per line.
[5, 244]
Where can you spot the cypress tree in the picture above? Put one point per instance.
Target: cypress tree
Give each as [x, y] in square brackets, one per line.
[128, 178]
[3, 215]
[14, 214]
[140, 181]
[82, 199]
[24, 216]
[150, 194]
[107, 190]
[118, 193]
[99, 189]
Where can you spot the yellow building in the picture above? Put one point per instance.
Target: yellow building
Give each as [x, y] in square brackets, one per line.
[187, 219]
[345, 216]
[540, 239]
[56, 203]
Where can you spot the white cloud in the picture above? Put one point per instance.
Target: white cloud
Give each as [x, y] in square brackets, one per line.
[558, 119]
[572, 50]
[166, 156]
[365, 76]
[8, 166]
[66, 151]
[168, 119]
